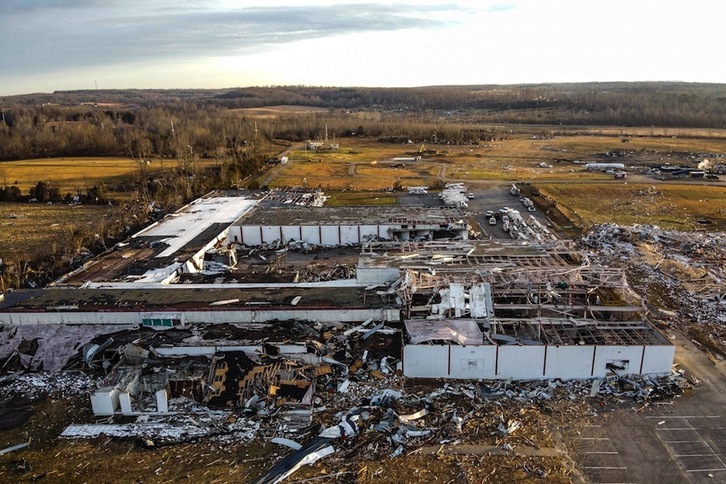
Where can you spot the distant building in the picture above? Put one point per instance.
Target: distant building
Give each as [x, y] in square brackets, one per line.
[604, 166]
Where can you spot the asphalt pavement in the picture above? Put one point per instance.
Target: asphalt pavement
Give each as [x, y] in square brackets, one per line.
[677, 441]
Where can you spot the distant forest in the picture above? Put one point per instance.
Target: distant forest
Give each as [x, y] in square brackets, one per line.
[178, 122]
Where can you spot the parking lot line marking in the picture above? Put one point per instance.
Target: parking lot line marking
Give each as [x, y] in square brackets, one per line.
[598, 452]
[696, 455]
[695, 429]
[682, 416]
[666, 429]
[706, 470]
[593, 438]
[708, 446]
[682, 441]
[605, 467]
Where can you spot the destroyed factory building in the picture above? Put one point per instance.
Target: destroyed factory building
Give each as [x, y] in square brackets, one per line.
[448, 306]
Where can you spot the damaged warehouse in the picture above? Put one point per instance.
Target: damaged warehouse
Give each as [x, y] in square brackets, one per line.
[534, 313]
[544, 303]
[199, 352]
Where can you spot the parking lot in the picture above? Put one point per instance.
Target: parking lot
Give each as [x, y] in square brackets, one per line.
[495, 198]
[677, 441]
[487, 198]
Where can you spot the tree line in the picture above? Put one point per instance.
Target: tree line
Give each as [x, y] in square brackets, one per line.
[660, 104]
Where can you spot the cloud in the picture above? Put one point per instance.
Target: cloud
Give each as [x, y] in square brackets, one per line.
[44, 35]
[14, 6]
[501, 7]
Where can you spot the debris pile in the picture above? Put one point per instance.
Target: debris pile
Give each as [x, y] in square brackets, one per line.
[683, 273]
[328, 393]
[379, 418]
[518, 228]
[33, 386]
[171, 429]
[339, 271]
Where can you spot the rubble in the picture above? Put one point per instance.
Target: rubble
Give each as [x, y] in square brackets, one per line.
[335, 392]
[64, 384]
[683, 274]
[171, 429]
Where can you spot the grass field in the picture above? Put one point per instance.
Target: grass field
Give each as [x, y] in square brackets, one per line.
[271, 112]
[362, 165]
[28, 229]
[344, 199]
[614, 130]
[668, 206]
[73, 175]
[367, 163]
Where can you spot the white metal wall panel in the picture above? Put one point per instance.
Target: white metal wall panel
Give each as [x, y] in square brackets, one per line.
[206, 317]
[369, 231]
[424, 361]
[472, 361]
[569, 361]
[290, 232]
[349, 234]
[330, 234]
[376, 275]
[270, 233]
[658, 360]
[311, 234]
[605, 354]
[385, 231]
[521, 362]
[251, 235]
[235, 234]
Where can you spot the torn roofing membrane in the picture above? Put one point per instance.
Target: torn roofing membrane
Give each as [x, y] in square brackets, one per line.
[183, 226]
[462, 331]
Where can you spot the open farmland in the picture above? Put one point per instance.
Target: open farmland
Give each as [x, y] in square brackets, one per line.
[367, 164]
[518, 157]
[76, 175]
[29, 229]
[272, 112]
[342, 199]
[682, 207]
[361, 164]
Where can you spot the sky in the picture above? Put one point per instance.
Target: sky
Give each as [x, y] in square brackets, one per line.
[49, 45]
